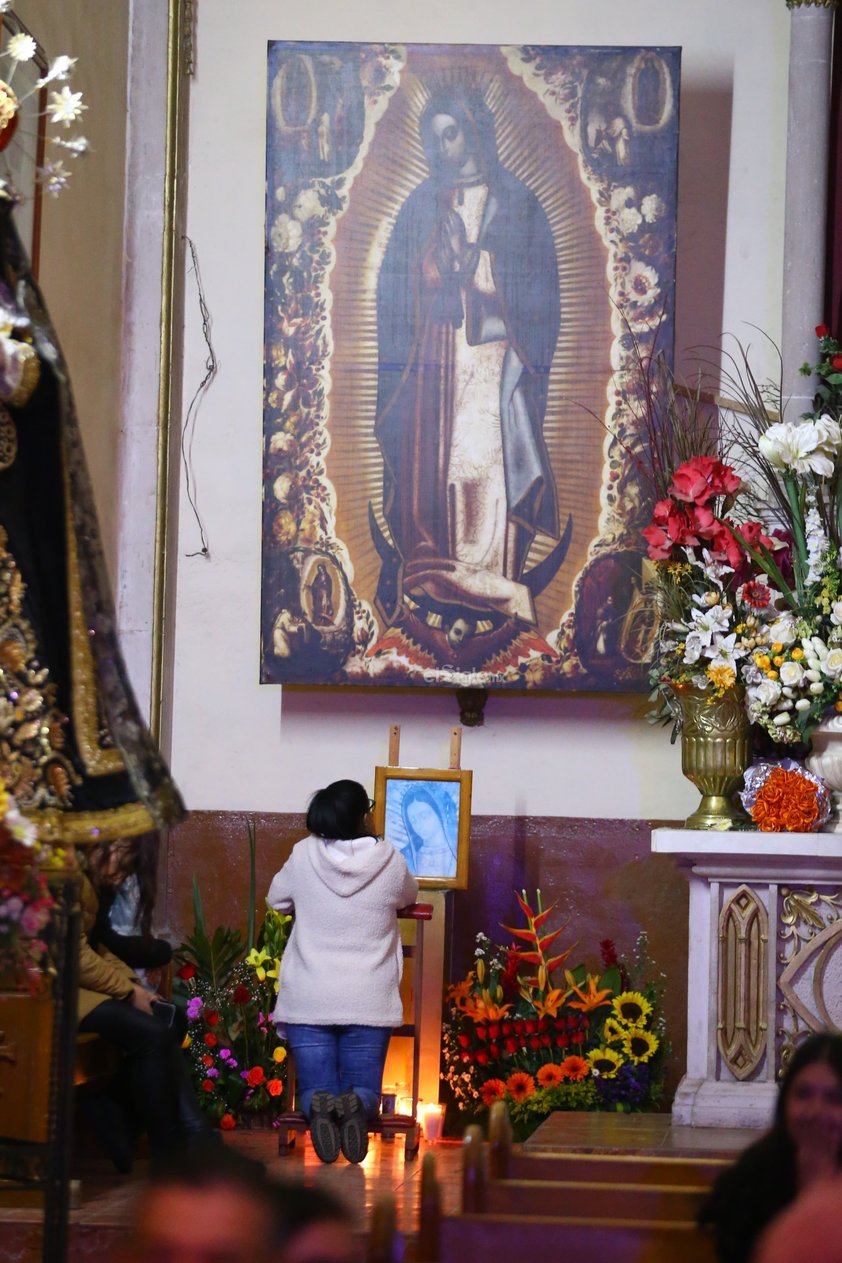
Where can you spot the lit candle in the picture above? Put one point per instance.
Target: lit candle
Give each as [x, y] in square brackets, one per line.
[431, 1120]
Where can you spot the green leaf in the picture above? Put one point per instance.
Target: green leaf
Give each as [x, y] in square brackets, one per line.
[611, 978]
[198, 914]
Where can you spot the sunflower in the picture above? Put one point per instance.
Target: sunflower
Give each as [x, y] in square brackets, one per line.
[520, 1085]
[639, 1045]
[550, 1076]
[492, 1090]
[605, 1062]
[575, 1068]
[612, 1031]
[631, 1008]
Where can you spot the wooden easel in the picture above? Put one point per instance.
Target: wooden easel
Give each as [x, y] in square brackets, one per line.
[455, 747]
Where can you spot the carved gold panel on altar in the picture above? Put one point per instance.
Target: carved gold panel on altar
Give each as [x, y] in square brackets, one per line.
[743, 973]
[467, 247]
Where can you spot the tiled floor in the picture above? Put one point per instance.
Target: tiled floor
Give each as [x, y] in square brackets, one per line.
[107, 1200]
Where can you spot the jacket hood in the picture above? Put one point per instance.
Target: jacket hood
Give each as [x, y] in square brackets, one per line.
[347, 867]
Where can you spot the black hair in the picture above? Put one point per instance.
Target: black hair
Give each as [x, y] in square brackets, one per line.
[289, 1206]
[822, 1047]
[468, 107]
[338, 811]
[139, 858]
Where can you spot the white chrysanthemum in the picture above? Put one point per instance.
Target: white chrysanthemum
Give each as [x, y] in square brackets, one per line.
[307, 205]
[281, 443]
[65, 106]
[629, 220]
[803, 446]
[641, 284]
[652, 207]
[60, 68]
[21, 47]
[620, 198]
[286, 234]
[282, 487]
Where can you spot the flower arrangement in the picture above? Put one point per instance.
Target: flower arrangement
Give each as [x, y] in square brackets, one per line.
[26, 903]
[516, 1033]
[747, 562]
[785, 797]
[227, 985]
[63, 108]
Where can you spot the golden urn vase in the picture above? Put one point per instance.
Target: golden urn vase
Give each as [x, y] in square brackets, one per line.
[715, 752]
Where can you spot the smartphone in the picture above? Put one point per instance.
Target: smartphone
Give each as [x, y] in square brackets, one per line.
[164, 1011]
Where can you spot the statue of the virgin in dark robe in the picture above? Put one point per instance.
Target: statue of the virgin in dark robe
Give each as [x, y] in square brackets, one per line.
[468, 318]
[74, 749]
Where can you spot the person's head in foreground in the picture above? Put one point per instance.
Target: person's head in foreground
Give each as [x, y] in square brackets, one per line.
[810, 1231]
[809, 1108]
[220, 1207]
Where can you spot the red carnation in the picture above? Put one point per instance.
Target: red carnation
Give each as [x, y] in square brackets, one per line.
[186, 972]
[240, 995]
[207, 1085]
[207, 1061]
[228, 1122]
[256, 1076]
[210, 1040]
[211, 1017]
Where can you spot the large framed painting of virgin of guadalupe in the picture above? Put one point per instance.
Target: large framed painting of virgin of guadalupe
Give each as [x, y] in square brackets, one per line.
[470, 251]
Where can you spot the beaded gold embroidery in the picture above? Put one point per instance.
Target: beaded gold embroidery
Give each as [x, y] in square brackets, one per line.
[32, 765]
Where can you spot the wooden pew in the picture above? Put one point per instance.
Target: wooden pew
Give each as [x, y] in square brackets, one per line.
[508, 1214]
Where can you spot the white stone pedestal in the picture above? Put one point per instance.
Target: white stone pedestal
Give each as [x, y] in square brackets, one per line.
[765, 963]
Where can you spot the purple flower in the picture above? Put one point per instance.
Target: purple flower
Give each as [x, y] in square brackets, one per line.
[212, 1072]
[194, 1007]
[224, 1054]
[244, 1074]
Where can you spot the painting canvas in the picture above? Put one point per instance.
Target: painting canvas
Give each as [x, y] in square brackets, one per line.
[426, 813]
[468, 248]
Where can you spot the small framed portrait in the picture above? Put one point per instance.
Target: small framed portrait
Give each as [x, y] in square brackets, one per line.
[426, 814]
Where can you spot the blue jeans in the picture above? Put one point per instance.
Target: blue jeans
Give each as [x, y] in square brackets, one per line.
[339, 1059]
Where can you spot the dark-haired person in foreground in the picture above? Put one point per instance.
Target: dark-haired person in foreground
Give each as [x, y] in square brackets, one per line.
[339, 983]
[221, 1207]
[802, 1149]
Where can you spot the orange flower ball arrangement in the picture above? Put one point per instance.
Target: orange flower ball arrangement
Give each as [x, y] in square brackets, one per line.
[785, 797]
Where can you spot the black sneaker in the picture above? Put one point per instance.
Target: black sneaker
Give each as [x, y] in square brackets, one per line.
[353, 1126]
[323, 1130]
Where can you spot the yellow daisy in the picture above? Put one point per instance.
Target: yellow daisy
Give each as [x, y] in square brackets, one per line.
[639, 1045]
[631, 1008]
[605, 1062]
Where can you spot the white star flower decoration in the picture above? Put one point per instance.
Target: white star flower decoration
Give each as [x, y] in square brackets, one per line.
[21, 47]
[60, 68]
[65, 106]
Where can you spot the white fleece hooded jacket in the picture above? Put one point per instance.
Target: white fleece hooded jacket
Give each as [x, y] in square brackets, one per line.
[342, 965]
